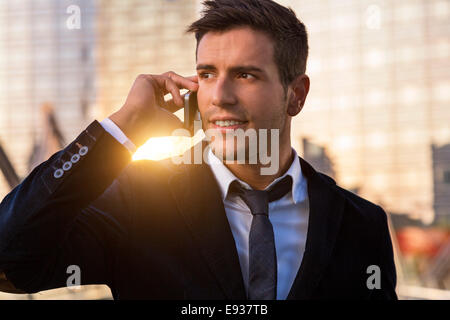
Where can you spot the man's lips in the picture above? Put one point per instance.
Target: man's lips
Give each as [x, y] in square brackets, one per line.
[222, 125]
[230, 127]
[225, 118]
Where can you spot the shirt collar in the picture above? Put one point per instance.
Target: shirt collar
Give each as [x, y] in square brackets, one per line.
[225, 177]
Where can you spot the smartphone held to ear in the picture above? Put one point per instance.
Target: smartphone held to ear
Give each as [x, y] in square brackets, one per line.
[190, 111]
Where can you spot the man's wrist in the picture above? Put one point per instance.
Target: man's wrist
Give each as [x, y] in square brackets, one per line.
[114, 130]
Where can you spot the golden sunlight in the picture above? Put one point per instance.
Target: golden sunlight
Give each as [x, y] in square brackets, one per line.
[166, 147]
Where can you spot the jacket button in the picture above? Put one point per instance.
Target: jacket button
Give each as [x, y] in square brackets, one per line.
[67, 165]
[58, 173]
[83, 150]
[75, 158]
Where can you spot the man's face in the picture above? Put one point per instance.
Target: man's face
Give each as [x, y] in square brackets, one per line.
[239, 81]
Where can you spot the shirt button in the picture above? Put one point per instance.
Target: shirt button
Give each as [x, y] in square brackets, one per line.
[83, 151]
[58, 173]
[75, 158]
[67, 165]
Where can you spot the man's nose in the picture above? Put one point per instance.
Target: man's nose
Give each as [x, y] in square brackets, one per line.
[223, 93]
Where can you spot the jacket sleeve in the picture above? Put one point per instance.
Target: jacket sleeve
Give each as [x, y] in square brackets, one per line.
[71, 210]
[387, 265]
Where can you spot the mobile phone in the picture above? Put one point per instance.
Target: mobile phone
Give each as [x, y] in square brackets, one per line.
[190, 111]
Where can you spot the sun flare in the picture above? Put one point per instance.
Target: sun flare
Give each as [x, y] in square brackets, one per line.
[160, 148]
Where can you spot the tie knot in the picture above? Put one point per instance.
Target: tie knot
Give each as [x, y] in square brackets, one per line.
[258, 200]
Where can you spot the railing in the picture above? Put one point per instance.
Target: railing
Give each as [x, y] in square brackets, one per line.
[88, 292]
[96, 292]
[421, 293]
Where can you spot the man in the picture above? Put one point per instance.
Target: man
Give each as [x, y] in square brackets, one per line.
[156, 230]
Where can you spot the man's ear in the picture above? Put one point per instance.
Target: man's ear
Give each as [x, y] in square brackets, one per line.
[298, 93]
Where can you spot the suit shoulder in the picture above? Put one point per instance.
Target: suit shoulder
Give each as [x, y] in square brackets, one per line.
[327, 178]
[371, 210]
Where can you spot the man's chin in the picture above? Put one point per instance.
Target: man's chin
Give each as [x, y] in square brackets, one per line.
[228, 153]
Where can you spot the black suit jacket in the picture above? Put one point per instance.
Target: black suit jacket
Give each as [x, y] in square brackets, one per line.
[155, 230]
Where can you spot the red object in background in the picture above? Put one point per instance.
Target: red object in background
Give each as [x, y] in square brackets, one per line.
[418, 241]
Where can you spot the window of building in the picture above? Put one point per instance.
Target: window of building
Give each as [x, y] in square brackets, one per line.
[447, 176]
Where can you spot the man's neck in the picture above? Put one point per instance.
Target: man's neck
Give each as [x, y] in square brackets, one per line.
[251, 173]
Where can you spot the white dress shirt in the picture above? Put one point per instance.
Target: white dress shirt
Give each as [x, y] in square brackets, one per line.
[289, 216]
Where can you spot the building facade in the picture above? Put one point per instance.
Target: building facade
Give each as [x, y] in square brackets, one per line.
[441, 183]
[46, 56]
[380, 91]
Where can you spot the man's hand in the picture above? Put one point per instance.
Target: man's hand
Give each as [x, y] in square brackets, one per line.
[145, 113]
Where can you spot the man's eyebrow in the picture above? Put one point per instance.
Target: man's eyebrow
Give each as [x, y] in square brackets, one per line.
[206, 66]
[249, 68]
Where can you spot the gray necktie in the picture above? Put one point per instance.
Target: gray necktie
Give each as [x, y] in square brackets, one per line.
[262, 283]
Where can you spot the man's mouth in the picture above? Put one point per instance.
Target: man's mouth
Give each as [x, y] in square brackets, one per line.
[228, 123]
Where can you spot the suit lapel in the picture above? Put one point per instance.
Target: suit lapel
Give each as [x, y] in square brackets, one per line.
[199, 202]
[326, 206]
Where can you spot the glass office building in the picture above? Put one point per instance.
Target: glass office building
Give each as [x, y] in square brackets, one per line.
[379, 98]
[45, 56]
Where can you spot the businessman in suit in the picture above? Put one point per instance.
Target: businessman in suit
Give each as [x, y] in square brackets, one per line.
[214, 230]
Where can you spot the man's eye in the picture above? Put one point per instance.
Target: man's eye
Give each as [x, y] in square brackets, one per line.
[204, 75]
[246, 75]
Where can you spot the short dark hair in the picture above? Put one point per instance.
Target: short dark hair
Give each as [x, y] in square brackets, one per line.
[288, 33]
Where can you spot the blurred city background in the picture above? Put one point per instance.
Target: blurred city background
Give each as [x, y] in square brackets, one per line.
[377, 117]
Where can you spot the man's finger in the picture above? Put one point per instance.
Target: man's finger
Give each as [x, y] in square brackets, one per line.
[172, 83]
[180, 82]
[173, 89]
[189, 83]
[193, 78]
[171, 106]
